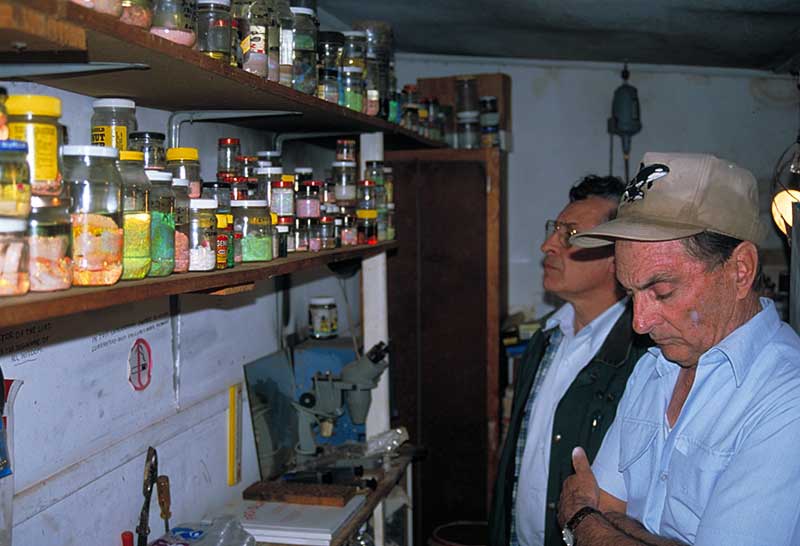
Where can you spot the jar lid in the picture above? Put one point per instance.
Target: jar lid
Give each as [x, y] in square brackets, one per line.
[148, 134]
[114, 103]
[366, 183]
[368, 214]
[13, 224]
[227, 141]
[92, 151]
[131, 155]
[338, 221]
[322, 300]
[285, 220]
[249, 203]
[390, 206]
[175, 154]
[343, 164]
[302, 11]
[202, 203]
[36, 105]
[352, 69]
[388, 170]
[470, 115]
[303, 170]
[355, 33]
[268, 153]
[180, 182]
[316, 183]
[273, 217]
[220, 2]
[282, 229]
[270, 170]
[487, 98]
[288, 178]
[326, 219]
[158, 176]
[263, 163]
[237, 179]
[222, 220]
[225, 178]
[40, 201]
[14, 146]
[282, 184]
[246, 158]
[346, 142]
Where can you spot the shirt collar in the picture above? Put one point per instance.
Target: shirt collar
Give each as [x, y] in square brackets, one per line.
[564, 319]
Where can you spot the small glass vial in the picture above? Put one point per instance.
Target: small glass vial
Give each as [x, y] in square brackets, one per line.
[367, 195]
[112, 122]
[138, 13]
[346, 149]
[282, 199]
[171, 22]
[202, 235]
[180, 187]
[367, 227]
[348, 235]
[49, 244]
[213, 28]
[469, 130]
[14, 278]
[323, 318]
[15, 179]
[307, 204]
[284, 229]
[301, 234]
[253, 20]
[344, 180]
[327, 232]
[239, 188]
[388, 184]
[136, 215]
[353, 88]
[228, 149]
[302, 174]
[151, 144]
[184, 163]
[162, 224]
[391, 233]
[253, 231]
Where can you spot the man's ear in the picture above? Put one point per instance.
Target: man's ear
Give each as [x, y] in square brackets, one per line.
[745, 262]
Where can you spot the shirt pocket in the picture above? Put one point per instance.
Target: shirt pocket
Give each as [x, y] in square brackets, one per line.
[637, 460]
[694, 472]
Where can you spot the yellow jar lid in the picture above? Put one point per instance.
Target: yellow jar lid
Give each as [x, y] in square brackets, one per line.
[35, 105]
[287, 178]
[131, 155]
[274, 218]
[369, 214]
[222, 221]
[189, 154]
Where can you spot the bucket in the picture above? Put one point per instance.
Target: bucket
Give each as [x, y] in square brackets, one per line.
[461, 533]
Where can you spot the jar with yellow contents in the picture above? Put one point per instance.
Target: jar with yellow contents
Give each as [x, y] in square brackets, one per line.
[15, 184]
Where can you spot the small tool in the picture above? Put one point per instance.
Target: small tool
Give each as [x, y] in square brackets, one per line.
[162, 483]
[150, 474]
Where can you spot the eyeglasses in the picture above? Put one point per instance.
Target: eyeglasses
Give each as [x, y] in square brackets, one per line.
[565, 231]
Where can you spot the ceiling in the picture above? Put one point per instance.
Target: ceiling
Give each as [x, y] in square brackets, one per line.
[762, 34]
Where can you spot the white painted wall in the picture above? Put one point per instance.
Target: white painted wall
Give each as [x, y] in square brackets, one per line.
[559, 114]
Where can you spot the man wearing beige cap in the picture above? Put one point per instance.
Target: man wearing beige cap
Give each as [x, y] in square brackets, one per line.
[703, 449]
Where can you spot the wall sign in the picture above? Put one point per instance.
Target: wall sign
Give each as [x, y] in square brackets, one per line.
[140, 365]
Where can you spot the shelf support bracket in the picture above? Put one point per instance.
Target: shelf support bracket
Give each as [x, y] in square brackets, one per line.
[30, 70]
[180, 117]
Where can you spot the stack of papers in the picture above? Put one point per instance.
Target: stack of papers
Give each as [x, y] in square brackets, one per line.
[294, 523]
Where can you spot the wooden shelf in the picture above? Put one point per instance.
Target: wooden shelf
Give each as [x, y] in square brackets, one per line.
[40, 306]
[179, 78]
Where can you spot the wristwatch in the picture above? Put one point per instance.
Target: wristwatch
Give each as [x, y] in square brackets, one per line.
[568, 532]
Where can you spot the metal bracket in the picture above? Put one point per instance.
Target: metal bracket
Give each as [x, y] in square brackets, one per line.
[179, 118]
[280, 139]
[28, 70]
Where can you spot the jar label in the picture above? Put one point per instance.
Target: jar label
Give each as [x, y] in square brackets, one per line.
[304, 42]
[255, 41]
[115, 136]
[42, 138]
[287, 47]
[258, 220]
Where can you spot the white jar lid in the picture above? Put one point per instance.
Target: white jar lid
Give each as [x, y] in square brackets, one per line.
[10, 225]
[113, 103]
[159, 176]
[268, 153]
[469, 115]
[282, 229]
[249, 203]
[352, 69]
[202, 203]
[180, 182]
[390, 206]
[343, 164]
[355, 33]
[220, 2]
[303, 170]
[303, 11]
[92, 151]
[387, 170]
[322, 300]
[270, 170]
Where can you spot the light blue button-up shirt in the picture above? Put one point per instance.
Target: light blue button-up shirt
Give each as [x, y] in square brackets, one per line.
[728, 473]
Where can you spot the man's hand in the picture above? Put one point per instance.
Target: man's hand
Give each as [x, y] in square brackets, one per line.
[579, 490]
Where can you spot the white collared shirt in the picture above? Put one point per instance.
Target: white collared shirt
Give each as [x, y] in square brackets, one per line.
[573, 354]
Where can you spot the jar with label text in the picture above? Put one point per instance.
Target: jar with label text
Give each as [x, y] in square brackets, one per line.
[367, 227]
[344, 180]
[94, 182]
[327, 232]
[112, 122]
[202, 235]
[49, 244]
[228, 149]
[304, 74]
[184, 163]
[346, 149]
[15, 179]
[34, 120]
[323, 318]
[213, 29]
[224, 240]
[252, 226]
[172, 21]
[253, 25]
[138, 13]
[14, 277]
[180, 187]
[282, 198]
[151, 144]
[162, 223]
[353, 86]
[136, 215]
[307, 203]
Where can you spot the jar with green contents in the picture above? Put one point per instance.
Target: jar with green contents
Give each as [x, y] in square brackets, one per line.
[184, 163]
[113, 121]
[162, 224]
[94, 182]
[253, 231]
[353, 85]
[136, 215]
[49, 244]
[34, 119]
[202, 235]
[15, 180]
[181, 188]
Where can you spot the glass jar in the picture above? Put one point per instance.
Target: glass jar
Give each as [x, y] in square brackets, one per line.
[273, 156]
[344, 180]
[184, 163]
[353, 88]
[202, 235]
[391, 233]
[138, 13]
[469, 131]
[285, 231]
[180, 187]
[371, 88]
[94, 182]
[410, 119]
[172, 21]
[219, 191]
[327, 199]
[213, 28]
[286, 45]
[15, 179]
[323, 318]
[136, 215]
[312, 228]
[348, 234]
[304, 62]
[224, 245]
[374, 171]
[354, 52]
[239, 188]
[327, 232]
[253, 24]
[49, 242]
[269, 175]
[346, 149]
[367, 227]
[275, 242]
[282, 198]
[300, 235]
[388, 184]
[228, 149]
[329, 55]
[247, 165]
[151, 144]
[109, 7]
[382, 225]
[490, 123]
[112, 122]
[14, 277]
[235, 59]
[34, 119]
[162, 224]
[367, 195]
[466, 94]
[253, 231]
[307, 203]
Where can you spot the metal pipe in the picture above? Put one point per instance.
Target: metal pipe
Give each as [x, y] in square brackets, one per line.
[176, 119]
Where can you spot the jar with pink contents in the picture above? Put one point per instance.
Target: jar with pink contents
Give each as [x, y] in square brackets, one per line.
[307, 204]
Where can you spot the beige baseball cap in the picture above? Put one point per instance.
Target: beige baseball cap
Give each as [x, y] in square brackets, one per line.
[678, 195]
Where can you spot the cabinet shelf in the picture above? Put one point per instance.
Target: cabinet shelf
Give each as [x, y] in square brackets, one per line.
[40, 306]
[179, 77]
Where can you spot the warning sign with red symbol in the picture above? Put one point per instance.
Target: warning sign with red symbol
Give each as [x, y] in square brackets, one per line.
[140, 365]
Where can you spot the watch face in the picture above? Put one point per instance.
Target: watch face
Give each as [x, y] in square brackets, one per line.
[569, 538]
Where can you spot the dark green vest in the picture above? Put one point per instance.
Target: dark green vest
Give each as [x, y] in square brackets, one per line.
[582, 418]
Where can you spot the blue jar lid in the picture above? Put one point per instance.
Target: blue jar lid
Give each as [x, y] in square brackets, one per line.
[14, 146]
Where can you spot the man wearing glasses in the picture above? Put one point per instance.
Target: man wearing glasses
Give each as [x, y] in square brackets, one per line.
[572, 375]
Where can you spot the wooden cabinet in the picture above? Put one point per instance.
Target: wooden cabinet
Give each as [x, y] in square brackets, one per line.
[447, 294]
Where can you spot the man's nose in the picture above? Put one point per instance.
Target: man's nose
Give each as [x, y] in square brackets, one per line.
[644, 315]
[551, 243]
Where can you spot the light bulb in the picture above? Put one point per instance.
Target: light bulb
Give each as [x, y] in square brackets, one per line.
[794, 166]
[782, 208]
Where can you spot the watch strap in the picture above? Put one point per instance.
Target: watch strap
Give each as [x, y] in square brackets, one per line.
[579, 516]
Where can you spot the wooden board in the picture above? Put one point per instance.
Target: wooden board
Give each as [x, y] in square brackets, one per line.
[301, 493]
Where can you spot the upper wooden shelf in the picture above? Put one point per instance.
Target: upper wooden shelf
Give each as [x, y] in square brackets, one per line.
[40, 306]
[179, 78]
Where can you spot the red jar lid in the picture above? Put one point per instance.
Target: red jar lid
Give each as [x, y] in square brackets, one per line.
[246, 158]
[366, 183]
[317, 183]
[227, 141]
[282, 184]
[238, 180]
[227, 178]
[326, 219]
[285, 220]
